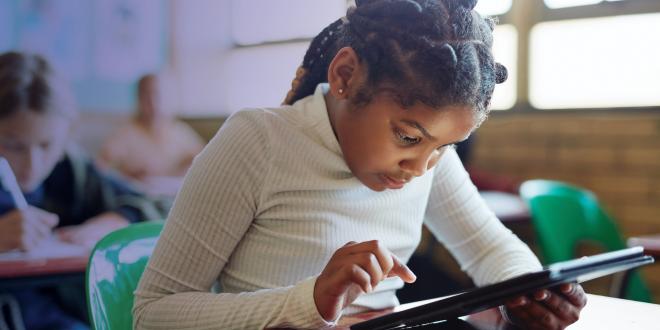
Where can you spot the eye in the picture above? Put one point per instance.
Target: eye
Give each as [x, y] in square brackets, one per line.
[406, 139]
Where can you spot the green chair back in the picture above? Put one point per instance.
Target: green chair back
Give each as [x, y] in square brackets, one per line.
[564, 216]
[115, 266]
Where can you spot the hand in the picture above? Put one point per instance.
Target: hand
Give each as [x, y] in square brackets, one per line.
[92, 230]
[548, 309]
[354, 269]
[25, 229]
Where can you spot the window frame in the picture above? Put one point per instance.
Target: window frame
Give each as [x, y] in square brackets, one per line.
[525, 14]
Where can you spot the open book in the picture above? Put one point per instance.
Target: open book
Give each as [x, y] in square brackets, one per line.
[479, 299]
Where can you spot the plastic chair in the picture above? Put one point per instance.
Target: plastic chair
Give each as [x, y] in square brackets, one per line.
[115, 266]
[564, 216]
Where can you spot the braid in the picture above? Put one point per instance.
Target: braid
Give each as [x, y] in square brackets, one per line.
[314, 69]
[438, 52]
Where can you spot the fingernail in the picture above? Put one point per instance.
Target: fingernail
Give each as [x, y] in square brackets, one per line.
[543, 296]
[567, 288]
[410, 272]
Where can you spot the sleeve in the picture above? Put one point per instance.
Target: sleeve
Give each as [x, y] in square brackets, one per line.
[460, 219]
[211, 214]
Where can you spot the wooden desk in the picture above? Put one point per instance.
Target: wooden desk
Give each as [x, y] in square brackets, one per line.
[651, 244]
[600, 313]
[41, 272]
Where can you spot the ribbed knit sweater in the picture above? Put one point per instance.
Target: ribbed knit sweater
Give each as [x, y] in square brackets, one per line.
[268, 202]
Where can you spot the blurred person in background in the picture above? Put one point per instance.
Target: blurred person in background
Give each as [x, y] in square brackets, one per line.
[69, 198]
[154, 145]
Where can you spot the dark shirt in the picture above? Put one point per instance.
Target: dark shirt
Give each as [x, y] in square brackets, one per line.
[76, 191]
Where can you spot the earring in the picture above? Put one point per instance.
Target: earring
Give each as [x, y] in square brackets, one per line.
[340, 91]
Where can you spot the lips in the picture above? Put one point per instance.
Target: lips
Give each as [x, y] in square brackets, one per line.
[392, 183]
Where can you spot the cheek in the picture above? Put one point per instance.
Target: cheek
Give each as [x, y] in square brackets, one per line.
[433, 160]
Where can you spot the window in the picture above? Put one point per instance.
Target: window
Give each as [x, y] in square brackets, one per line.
[573, 3]
[505, 46]
[595, 63]
[493, 7]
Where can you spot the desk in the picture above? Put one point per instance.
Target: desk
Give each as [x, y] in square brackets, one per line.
[509, 208]
[651, 244]
[600, 313]
[41, 272]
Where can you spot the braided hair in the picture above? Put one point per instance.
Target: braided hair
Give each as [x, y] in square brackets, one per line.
[437, 52]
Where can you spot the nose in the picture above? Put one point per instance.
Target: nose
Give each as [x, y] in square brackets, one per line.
[418, 165]
[31, 161]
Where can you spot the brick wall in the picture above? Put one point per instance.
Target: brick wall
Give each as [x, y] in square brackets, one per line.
[615, 155]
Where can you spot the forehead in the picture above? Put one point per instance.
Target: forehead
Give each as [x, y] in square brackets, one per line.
[451, 122]
[30, 125]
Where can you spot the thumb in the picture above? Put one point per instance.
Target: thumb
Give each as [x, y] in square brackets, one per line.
[401, 270]
[49, 219]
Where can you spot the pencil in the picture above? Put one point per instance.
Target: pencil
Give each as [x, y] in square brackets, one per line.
[11, 185]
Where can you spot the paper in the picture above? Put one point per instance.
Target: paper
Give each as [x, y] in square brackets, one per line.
[48, 249]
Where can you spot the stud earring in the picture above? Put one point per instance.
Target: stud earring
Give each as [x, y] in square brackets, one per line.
[340, 91]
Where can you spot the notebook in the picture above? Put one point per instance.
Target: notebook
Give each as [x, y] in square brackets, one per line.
[479, 299]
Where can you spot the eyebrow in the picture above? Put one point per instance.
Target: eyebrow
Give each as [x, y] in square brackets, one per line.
[421, 128]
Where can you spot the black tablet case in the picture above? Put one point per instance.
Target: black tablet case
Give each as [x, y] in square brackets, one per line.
[479, 299]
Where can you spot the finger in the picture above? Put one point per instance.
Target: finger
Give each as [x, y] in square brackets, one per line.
[39, 229]
[400, 269]
[356, 275]
[517, 302]
[383, 255]
[561, 307]
[49, 219]
[540, 315]
[28, 240]
[369, 263]
[574, 293]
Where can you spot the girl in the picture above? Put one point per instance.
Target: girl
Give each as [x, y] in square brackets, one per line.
[66, 193]
[307, 212]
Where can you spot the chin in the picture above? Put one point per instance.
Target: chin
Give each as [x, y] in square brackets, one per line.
[375, 186]
[28, 187]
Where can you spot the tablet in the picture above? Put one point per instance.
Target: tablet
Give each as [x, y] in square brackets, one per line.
[482, 298]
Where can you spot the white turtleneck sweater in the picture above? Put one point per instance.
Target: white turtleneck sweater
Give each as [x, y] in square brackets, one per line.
[268, 202]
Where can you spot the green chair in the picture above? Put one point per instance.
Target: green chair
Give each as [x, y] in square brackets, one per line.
[115, 266]
[564, 216]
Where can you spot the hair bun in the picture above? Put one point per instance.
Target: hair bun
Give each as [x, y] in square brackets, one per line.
[501, 73]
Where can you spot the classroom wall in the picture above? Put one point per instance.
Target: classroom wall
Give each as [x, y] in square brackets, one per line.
[616, 155]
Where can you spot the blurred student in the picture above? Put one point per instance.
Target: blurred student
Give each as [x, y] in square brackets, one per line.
[67, 196]
[153, 143]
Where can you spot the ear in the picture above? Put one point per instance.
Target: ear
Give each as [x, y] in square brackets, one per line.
[344, 73]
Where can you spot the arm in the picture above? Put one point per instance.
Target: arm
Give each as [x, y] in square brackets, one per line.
[489, 253]
[98, 203]
[459, 218]
[212, 212]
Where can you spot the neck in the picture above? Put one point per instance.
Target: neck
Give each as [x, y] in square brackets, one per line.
[333, 107]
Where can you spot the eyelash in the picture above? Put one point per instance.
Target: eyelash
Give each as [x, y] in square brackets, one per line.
[405, 139]
[410, 140]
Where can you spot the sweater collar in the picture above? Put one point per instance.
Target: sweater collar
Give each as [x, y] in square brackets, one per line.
[318, 112]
